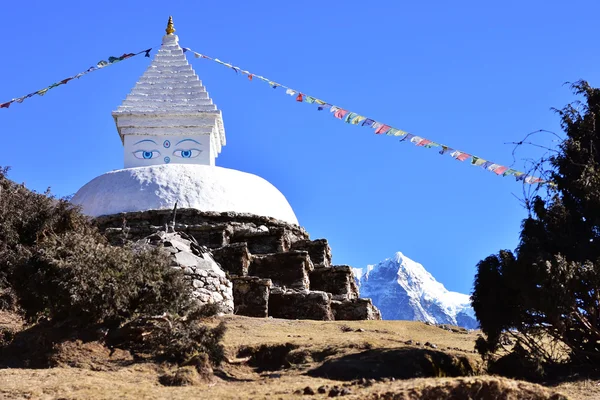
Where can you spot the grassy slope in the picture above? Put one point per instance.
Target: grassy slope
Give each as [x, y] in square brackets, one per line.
[331, 340]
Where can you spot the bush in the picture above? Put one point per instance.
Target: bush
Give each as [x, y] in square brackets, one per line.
[77, 276]
[548, 290]
[55, 265]
[170, 338]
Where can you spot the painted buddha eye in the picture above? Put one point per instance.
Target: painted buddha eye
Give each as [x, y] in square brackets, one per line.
[187, 153]
[146, 154]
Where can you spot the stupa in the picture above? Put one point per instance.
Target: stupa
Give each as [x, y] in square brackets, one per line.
[172, 132]
[234, 235]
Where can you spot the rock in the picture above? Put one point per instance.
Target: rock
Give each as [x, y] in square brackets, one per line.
[233, 258]
[355, 310]
[337, 280]
[207, 279]
[300, 305]
[318, 250]
[323, 389]
[308, 390]
[409, 342]
[284, 269]
[251, 296]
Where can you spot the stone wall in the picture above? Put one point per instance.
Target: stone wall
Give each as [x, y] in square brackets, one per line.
[208, 281]
[275, 268]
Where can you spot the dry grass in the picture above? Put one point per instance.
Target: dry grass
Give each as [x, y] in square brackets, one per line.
[240, 380]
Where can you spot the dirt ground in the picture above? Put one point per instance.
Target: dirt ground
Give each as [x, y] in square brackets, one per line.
[282, 359]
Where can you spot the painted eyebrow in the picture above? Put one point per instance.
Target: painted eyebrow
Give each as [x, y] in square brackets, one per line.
[145, 140]
[189, 140]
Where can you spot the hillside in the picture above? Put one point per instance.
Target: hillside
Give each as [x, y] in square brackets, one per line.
[280, 359]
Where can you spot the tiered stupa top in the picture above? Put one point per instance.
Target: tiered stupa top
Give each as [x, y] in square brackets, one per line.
[172, 133]
[169, 101]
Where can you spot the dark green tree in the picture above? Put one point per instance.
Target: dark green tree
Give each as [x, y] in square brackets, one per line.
[548, 291]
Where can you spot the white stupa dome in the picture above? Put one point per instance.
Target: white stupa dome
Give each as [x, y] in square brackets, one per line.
[171, 133]
[203, 187]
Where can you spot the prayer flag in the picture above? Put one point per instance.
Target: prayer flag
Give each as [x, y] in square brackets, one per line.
[290, 92]
[357, 120]
[463, 157]
[349, 117]
[299, 98]
[477, 161]
[340, 113]
[42, 92]
[309, 99]
[382, 129]
[64, 81]
[446, 149]
[486, 164]
[368, 122]
[532, 179]
[250, 76]
[510, 172]
[423, 142]
[416, 139]
[500, 170]
[5, 105]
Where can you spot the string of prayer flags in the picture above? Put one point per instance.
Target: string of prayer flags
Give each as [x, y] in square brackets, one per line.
[380, 128]
[99, 65]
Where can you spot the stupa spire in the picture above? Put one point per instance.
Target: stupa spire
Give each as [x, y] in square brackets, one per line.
[170, 28]
[168, 117]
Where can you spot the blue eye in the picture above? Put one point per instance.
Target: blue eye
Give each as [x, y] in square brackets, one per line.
[146, 154]
[187, 153]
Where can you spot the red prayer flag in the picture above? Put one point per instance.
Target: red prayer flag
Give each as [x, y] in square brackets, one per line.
[250, 77]
[424, 142]
[339, 114]
[382, 129]
[500, 170]
[463, 156]
[299, 97]
[5, 105]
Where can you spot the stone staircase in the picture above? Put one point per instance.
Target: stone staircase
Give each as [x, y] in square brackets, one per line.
[275, 268]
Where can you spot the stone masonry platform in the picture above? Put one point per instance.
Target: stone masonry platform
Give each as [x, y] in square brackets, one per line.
[275, 268]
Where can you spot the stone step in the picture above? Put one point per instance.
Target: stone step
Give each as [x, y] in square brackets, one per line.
[290, 269]
[233, 258]
[337, 280]
[319, 250]
[355, 310]
[251, 296]
[305, 304]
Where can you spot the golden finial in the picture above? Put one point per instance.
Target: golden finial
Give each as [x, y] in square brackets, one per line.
[170, 29]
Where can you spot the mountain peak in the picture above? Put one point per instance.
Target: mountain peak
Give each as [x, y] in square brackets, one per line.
[403, 289]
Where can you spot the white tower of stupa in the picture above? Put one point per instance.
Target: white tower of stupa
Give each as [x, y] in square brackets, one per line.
[168, 116]
[171, 133]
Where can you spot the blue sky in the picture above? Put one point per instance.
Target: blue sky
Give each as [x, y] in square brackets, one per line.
[474, 75]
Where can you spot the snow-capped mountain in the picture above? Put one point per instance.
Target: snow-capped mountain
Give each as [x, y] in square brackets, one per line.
[403, 289]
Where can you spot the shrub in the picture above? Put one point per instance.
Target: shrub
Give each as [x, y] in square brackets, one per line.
[548, 291]
[57, 266]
